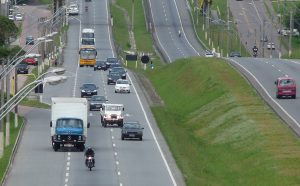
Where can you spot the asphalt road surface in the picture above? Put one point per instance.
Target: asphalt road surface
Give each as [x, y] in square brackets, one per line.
[118, 162]
[253, 23]
[169, 17]
[262, 73]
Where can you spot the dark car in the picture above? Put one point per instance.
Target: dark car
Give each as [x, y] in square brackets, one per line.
[120, 70]
[112, 78]
[132, 129]
[111, 60]
[88, 90]
[22, 68]
[113, 65]
[29, 40]
[101, 65]
[96, 102]
[235, 54]
[286, 87]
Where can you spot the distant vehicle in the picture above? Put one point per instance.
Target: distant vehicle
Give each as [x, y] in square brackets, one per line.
[11, 17]
[88, 90]
[112, 60]
[22, 68]
[69, 122]
[132, 129]
[208, 54]
[264, 39]
[96, 102]
[271, 46]
[113, 77]
[73, 9]
[88, 33]
[286, 87]
[112, 114]
[29, 40]
[235, 54]
[120, 70]
[18, 17]
[122, 85]
[30, 61]
[101, 65]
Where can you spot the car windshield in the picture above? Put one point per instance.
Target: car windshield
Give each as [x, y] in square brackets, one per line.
[89, 86]
[113, 108]
[122, 82]
[112, 60]
[131, 125]
[88, 41]
[98, 98]
[100, 63]
[286, 82]
[69, 123]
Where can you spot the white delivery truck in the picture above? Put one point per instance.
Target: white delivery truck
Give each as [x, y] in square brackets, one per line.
[69, 122]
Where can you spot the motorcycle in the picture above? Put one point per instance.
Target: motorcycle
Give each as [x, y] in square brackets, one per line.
[254, 54]
[90, 162]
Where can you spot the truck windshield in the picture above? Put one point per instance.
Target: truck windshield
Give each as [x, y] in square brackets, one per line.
[69, 123]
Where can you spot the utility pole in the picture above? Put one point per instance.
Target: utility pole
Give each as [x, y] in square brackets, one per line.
[227, 28]
[263, 43]
[7, 126]
[1, 121]
[132, 18]
[291, 32]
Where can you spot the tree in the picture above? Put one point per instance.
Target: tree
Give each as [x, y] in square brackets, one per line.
[7, 29]
[297, 17]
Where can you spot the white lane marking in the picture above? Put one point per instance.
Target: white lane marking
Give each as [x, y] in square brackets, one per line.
[68, 158]
[121, 184]
[272, 99]
[119, 173]
[111, 130]
[69, 153]
[67, 174]
[66, 180]
[153, 134]
[112, 137]
[116, 153]
[68, 163]
[66, 184]
[181, 26]
[157, 35]
[257, 12]
[279, 70]
[114, 145]
[68, 168]
[117, 162]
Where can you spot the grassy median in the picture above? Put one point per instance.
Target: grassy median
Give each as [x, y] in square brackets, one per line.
[218, 129]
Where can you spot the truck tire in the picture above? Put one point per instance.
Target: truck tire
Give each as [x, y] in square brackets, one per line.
[141, 138]
[81, 147]
[55, 146]
[122, 137]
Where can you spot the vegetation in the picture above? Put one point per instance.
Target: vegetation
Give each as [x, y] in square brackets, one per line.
[4, 161]
[219, 131]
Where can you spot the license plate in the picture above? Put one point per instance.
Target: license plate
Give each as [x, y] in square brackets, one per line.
[286, 91]
[68, 145]
[131, 135]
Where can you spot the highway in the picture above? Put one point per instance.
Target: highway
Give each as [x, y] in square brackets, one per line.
[126, 163]
[168, 17]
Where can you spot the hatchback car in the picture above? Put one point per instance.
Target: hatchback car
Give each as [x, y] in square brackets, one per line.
[112, 78]
[18, 17]
[22, 68]
[122, 85]
[132, 129]
[73, 9]
[208, 54]
[100, 65]
[29, 40]
[88, 90]
[285, 87]
[96, 102]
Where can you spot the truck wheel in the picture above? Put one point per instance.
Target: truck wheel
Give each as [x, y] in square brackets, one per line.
[80, 65]
[141, 138]
[122, 137]
[104, 124]
[55, 147]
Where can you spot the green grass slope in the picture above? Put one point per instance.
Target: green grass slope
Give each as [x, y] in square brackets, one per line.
[219, 131]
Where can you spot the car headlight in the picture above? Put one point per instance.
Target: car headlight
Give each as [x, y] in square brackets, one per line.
[109, 78]
[94, 90]
[82, 90]
[92, 103]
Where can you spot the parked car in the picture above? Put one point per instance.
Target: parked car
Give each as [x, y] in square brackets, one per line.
[271, 46]
[122, 85]
[235, 54]
[18, 17]
[101, 65]
[29, 40]
[88, 90]
[22, 68]
[120, 70]
[132, 129]
[30, 61]
[96, 102]
[112, 78]
[11, 17]
[285, 87]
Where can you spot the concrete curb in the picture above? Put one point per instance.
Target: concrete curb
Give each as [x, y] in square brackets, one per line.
[14, 151]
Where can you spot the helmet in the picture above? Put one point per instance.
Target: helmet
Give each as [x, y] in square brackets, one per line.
[89, 148]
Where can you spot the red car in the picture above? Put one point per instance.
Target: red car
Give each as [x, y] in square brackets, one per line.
[30, 61]
[286, 87]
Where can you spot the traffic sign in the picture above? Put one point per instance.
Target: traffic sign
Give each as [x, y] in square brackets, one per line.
[145, 59]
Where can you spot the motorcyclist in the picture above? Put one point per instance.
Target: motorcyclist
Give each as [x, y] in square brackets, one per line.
[89, 153]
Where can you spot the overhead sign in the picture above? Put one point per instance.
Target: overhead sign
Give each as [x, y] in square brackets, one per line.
[145, 59]
[130, 57]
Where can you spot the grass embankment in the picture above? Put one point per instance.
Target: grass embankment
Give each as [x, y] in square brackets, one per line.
[219, 131]
[9, 149]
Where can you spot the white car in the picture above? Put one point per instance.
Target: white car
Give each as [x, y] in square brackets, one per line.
[11, 17]
[18, 17]
[73, 9]
[208, 54]
[271, 46]
[122, 85]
